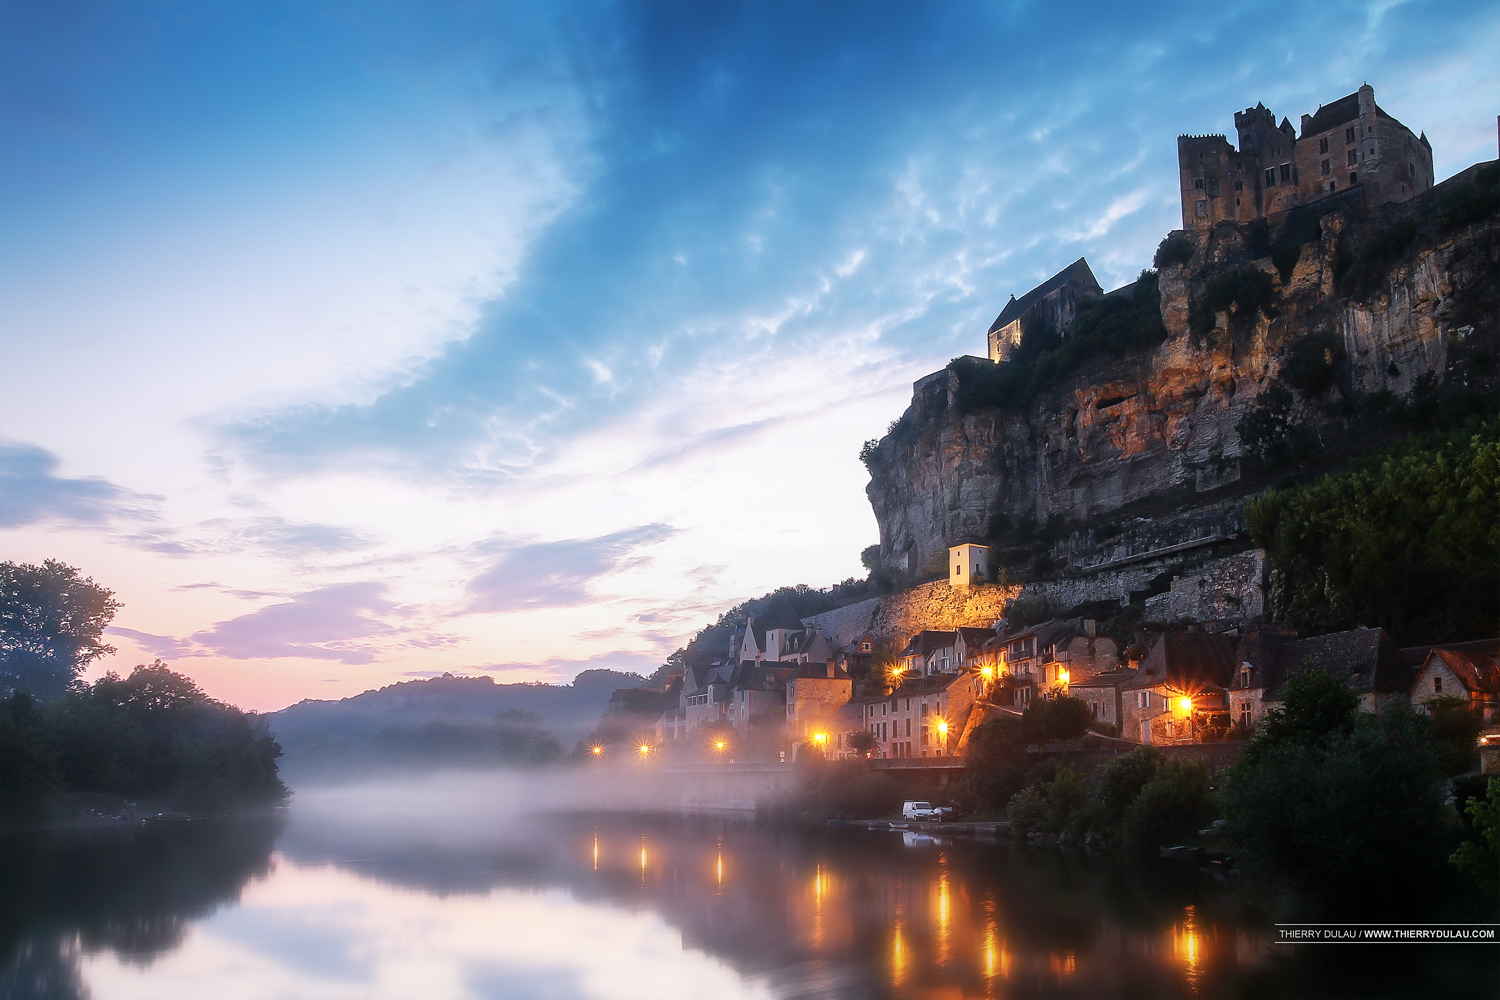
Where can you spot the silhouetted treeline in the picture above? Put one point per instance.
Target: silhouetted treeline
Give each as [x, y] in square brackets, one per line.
[152, 736]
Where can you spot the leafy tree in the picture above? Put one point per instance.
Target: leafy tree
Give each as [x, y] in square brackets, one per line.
[1266, 428]
[153, 734]
[1456, 726]
[885, 670]
[1316, 705]
[1173, 804]
[1172, 250]
[522, 739]
[1121, 780]
[995, 768]
[1479, 857]
[1408, 540]
[1349, 818]
[1055, 807]
[50, 623]
[28, 758]
[862, 742]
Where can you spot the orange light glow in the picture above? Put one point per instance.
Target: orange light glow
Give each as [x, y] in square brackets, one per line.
[596, 854]
[986, 672]
[644, 748]
[820, 737]
[1063, 675]
[720, 745]
[596, 751]
[1186, 704]
[942, 727]
[719, 870]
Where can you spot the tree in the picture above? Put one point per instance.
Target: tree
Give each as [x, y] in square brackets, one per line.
[1479, 858]
[1174, 803]
[1316, 705]
[1325, 811]
[995, 768]
[50, 623]
[522, 739]
[1455, 731]
[1407, 540]
[885, 670]
[862, 742]
[1121, 780]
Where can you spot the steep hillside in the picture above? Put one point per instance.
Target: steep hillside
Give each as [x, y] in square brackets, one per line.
[1275, 358]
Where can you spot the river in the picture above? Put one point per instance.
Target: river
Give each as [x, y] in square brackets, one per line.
[411, 894]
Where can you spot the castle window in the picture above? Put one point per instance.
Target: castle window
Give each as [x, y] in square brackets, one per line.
[1354, 177]
[1332, 185]
[1239, 164]
[1201, 207]
[1353, 157]
[1286, 171]
[1327, 167]
[1270, 177]
[1198, 184]
[1348, 135]
[1323, 144]
[1239, 185]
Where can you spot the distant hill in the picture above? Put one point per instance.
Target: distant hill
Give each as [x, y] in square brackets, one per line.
[444, 721]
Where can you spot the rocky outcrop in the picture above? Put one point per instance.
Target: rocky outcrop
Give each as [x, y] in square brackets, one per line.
[1147, 444]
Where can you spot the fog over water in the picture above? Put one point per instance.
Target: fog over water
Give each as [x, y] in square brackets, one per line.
[500, 885]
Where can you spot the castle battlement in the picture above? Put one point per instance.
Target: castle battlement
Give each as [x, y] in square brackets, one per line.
[1351, 143]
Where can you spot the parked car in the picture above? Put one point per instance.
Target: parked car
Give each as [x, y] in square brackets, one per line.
[912, 809]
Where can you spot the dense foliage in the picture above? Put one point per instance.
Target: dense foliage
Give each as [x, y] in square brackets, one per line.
[1124, 322]
[1409, 541]
[51, 619]
[1243, 293]
[151, 736]
[1344, 808]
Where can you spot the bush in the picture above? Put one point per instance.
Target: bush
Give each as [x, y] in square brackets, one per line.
[1121, 780]
[1266, 428]
[1456, 726]
[1172, 250]
[1479, 855]
[1243, 292]
[1052, 807]
[1380, 253]
[1313, 363]
[1172, 805]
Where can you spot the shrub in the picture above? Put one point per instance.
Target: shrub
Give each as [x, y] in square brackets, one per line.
[1380, 253]
[1266, 428]
[1456, 726]
[1243, 292]
[1479, 855]
[995, 767]
[1121, 780]
[1173, 804]
[1172, 250]
[1053, 807]
[1312, 364]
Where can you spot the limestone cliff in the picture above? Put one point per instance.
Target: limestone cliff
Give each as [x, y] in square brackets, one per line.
[1141, 454]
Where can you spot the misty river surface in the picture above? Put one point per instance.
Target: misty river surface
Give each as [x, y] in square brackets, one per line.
[447, 889]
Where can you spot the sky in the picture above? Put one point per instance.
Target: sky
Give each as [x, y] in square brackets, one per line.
[356, 343]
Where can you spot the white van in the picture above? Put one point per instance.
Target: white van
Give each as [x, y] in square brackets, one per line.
[920, 810]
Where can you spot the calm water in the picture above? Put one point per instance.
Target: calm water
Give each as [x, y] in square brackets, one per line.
[443, 892]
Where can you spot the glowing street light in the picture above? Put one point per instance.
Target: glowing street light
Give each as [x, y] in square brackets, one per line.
[821, 738]
[596, 750]
[644, 749]
[1063, 675]
[720, 745]
[1186, 704]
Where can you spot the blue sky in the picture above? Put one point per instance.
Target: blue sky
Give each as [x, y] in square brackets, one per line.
[358, 341]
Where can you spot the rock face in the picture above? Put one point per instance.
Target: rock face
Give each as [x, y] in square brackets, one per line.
[1152, 437]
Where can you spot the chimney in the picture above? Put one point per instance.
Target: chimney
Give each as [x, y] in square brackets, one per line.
[1090, 627]
[1306, 124]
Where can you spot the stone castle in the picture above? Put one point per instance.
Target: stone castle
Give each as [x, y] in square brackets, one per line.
[1350, 151]
[1349, 144]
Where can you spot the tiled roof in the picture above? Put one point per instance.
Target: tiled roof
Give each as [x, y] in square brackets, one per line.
[1107, 678]
[1367, 656]
[1016, 308]
[1341, 111]
[1188, 661]
[1474, 671]
[1417, 655]
[926, 641]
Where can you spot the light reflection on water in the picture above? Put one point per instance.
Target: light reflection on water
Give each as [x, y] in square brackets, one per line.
[612, 906]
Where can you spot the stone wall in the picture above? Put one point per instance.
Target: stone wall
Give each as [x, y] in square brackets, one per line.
[1225, 590]
[895, 618]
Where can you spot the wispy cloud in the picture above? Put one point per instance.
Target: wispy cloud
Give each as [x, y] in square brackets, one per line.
[554, 574]
[340, 622]
[32, 493]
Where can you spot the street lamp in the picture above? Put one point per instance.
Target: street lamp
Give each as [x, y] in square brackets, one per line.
[596, 750]
[942, 728]
[644, 749]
